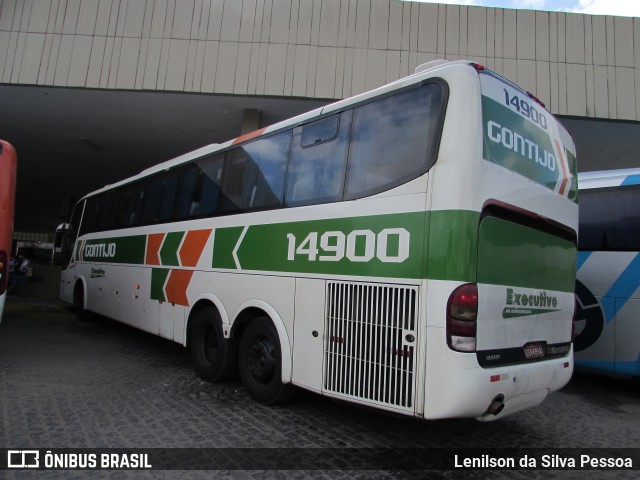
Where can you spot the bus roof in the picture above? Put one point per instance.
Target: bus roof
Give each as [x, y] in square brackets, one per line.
[609, 178]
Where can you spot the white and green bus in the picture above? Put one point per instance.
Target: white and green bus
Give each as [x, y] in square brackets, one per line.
[412, 248]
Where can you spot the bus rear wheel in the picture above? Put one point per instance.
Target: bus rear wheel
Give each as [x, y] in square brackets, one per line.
[260, 363]
[214, 357]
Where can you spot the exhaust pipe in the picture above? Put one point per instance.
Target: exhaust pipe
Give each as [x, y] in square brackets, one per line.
[496, 405]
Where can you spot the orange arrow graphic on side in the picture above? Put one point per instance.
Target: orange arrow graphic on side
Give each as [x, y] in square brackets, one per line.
[192, 247]
[176, 287]
[154, 242]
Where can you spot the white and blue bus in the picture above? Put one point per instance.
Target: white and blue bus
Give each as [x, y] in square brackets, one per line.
[412, 249]
[608, 279]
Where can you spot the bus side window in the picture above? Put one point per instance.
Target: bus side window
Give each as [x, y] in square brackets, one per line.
[158, 199]
[135, 214]
[392, 140]
[255, 174]
[186, 190]
[236, 174]
[129, 207]
[107, 211]
[205, 198]
[100, 213]
[318, 160]
[124, 205]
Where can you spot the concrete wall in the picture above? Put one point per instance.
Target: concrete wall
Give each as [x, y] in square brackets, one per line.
[581, 65]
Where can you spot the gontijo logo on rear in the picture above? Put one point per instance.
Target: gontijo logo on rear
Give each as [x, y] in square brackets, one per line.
[522, 136]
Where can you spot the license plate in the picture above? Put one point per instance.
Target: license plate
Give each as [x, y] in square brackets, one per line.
[534, 350]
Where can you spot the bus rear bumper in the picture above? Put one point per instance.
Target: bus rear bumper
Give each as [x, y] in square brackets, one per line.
[514, 404]
[489, 394]
[528, 385]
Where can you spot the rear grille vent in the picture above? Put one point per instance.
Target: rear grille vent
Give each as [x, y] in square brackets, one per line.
[370, 342]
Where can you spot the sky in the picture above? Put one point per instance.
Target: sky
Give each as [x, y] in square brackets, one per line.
[623, 8]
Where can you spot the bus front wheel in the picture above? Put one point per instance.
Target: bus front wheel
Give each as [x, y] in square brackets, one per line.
[260, 363]
[214, 357]
[78, 302]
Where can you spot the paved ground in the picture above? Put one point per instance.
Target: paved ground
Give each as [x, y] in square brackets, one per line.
[64, 383]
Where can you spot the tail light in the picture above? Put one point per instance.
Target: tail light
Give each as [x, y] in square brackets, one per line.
[4, 271]
[462, 312]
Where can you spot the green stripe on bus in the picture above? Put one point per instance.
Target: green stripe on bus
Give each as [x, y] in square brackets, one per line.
[158, 279]
[363, 246]
[389, 246]
[451, 253]
[169, 250]
[225, 239]
[453, 245]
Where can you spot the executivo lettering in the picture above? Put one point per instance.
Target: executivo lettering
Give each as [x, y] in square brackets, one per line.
[521, 304]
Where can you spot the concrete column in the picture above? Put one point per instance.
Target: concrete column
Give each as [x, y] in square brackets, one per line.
[251, 120]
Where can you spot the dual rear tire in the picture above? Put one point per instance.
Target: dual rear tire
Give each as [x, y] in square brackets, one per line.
[213, 356]
[258, 356]
[260, 363]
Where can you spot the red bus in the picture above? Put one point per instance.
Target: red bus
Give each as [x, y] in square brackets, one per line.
[8, 163]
